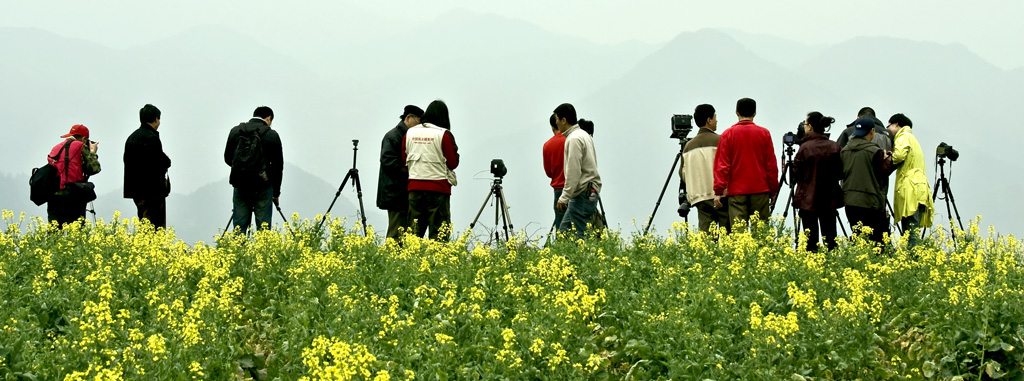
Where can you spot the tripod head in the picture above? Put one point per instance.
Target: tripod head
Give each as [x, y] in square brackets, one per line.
[355, 149]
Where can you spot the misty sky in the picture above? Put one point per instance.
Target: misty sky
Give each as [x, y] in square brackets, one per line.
[990, 28]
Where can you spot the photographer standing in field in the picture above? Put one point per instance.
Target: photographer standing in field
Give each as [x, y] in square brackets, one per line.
[818, 169]
[865, 168]
[912, 203]
[393, 180]
[75, 160]
[554, 158]
[582, 181]
[883, 138]
[698, 170]
[431, 155]
[257, 164]
[745, 167]
[145, 169]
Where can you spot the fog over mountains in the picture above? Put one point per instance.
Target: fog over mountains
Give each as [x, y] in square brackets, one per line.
[501, 78]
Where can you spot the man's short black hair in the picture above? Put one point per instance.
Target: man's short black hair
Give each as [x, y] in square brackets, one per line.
[866, 111]
[553, 121]
[746, 107]
[702, 113]
[437, 114]
[149, 114]
[901, 120]
[567, 112]
[263, 112]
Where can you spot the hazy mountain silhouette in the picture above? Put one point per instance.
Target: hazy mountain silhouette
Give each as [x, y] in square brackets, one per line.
[786, 53]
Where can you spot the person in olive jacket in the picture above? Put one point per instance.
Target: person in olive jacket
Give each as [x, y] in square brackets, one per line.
[145, 169]
[818, 169]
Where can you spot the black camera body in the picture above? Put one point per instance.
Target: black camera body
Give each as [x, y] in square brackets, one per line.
[946, 151]
[684, 204]
[789, 139]
[682, 125]
[498, 168]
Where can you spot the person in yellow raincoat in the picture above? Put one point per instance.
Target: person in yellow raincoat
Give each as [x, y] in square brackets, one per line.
[912, 203]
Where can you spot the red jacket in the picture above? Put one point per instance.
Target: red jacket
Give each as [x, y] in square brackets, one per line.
[554, 160]
[451, 156]
[74, 154]
[745, 161]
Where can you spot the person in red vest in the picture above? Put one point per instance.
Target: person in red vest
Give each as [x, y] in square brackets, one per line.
[745, 166]
[554, 157]
[75, 159]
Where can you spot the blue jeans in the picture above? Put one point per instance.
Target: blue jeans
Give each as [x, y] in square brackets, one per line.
[246, 203]
[558, 213]
[579, 213]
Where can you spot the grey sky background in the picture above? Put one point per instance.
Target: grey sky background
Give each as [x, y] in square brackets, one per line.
[990, 28]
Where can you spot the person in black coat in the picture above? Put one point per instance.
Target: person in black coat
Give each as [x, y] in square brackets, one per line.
[254, 192]
[145, 169]
[393, 181]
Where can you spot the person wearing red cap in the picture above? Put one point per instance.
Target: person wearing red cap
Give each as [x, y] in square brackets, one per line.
[75, 160]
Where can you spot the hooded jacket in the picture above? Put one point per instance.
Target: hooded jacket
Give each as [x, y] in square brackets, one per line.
[911, 181]
[865, 170]
[818, 170]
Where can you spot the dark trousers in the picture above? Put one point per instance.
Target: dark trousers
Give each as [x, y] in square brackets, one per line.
[64, 211]
[707, 214]
[578, 214]
[559, 214]
[820, 222]
[873, 218]
[430, 210]
[153, 209]
[397, 220]
[253, 202]
[744, 206]
[912, 224]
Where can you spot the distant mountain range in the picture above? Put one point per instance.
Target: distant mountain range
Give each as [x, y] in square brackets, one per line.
[501, 78]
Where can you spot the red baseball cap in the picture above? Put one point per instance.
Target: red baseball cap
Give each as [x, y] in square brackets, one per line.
[77, 129]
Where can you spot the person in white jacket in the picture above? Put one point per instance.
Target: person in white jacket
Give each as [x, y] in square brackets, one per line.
[698, 170]
[582, 181]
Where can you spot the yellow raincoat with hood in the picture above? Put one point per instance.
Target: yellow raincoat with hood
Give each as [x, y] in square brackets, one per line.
[912, 188]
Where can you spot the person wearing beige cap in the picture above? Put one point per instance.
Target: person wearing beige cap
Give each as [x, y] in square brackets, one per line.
[75, 160]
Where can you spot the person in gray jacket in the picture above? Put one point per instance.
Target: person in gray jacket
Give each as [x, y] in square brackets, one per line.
[582, 181]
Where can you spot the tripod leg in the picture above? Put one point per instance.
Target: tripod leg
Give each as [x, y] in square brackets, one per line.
[359, 196]
[477, 218]
[336, 195]
[228, 226]
[663, 189]
[505, 212]
[951, 201]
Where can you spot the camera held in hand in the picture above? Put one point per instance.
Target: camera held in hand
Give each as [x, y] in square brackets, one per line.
[498, 168]
[946, 151]
[682, 125]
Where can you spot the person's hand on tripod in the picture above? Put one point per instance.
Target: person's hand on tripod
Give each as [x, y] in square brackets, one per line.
[277, 201]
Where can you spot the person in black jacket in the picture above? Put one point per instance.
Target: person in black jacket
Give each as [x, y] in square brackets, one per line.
[819, 168]
[257, 163]
[145, 168]
[393, 181]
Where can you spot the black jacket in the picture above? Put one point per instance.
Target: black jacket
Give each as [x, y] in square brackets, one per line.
[145, 165]
[272, 152]
[393, 181]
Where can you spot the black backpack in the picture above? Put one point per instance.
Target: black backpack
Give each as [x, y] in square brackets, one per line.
[249, 165]
[45, 180]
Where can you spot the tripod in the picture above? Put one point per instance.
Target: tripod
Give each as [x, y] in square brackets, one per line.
[500, 210]
[677, 161]
[352, 174]
[786, 178]
[947, 193]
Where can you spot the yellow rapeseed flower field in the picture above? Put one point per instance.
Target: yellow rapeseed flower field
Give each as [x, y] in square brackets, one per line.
[120, 300]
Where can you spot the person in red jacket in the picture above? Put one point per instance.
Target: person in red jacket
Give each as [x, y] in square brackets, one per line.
[75, 160]
[745, 166]
[554, 158]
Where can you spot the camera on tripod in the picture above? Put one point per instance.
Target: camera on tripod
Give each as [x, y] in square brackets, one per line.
[498, 168]
[681, 126]
[684, 204]
[789, 139]
[946, 151]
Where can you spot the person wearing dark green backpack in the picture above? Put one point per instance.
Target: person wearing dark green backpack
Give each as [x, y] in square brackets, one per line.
[254, 154]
